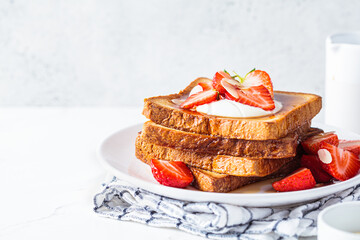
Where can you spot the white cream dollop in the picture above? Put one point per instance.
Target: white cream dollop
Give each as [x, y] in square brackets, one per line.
[229, 108]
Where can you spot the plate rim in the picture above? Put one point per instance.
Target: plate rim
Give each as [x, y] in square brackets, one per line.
[330, 189]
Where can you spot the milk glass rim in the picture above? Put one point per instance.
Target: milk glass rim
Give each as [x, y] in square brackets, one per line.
[351, 38]
[330, 208]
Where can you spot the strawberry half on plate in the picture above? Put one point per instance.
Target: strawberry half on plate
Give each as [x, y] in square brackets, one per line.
[313, 163]
[339, 163]
[171, 173]
[301, 179]
[351, 146]
[312, 144]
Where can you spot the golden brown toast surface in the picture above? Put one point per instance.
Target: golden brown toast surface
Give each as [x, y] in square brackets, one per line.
[216, 182]
[298, 109]
[226, 164]
[274, 148]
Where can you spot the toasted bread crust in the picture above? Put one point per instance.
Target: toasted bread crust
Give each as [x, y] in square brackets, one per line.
[226, 164]
[214, 182]
[206, 181]
[275, 148]
[298, 109]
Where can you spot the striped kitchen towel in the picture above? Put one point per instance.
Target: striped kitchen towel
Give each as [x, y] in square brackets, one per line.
[123, 201]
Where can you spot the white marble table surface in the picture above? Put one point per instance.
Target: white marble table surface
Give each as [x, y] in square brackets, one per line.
[49, 173]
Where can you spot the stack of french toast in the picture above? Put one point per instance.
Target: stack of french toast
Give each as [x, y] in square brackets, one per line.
[227, 152]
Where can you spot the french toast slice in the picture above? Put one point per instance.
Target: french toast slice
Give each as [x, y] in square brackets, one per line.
[275, 148]
[298, 109]
[226, 164]
[217, 182]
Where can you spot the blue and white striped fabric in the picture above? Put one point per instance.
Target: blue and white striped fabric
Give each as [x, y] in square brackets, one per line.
[123, 201]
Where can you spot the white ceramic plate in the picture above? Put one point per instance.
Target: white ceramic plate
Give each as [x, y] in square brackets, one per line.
[117, 155]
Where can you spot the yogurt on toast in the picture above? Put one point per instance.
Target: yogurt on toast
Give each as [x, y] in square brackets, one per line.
[229, 108]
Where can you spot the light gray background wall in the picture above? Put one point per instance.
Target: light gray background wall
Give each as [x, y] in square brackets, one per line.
[117, 52]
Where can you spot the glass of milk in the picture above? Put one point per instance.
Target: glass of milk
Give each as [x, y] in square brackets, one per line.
[342, 90]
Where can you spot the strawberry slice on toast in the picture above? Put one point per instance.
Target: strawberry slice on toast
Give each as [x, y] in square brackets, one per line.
[216, 83]
[339, 163]
[301, 179]
[257, 96]
[255, 89]
[258, 77]
[200, 98]
[206, 85]
[171, 173]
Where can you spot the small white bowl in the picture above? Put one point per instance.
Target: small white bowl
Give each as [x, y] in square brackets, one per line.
[340, 221]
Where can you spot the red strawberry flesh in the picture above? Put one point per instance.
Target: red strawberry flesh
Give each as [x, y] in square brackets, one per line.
[206, 85]
[312, 144]
[339, 163]
[230, 89]
[351, 146]
[200, 98]
[171, 173]
[258, 77]
[216, 83]
[301, 179]
[313, 163]
[257, 96]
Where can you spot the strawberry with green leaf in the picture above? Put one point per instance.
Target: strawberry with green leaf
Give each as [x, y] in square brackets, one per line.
[255, 89]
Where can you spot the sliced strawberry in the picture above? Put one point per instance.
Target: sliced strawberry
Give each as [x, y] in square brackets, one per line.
[312, 144]
[257, 96]
[301, 179]
[313, 163]
[206, 85]
[258, 77]
[200, 98]
[220, 75]
[231, 89]
[351, 146]
[171, 173]
[339, 163]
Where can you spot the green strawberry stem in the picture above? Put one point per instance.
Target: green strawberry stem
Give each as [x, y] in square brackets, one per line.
[241, 79]
[250, 72]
